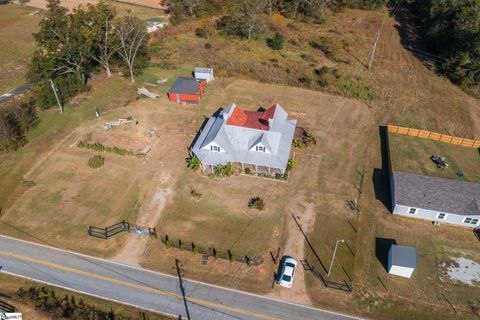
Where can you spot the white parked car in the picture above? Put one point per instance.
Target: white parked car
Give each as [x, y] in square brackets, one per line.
[285, 278]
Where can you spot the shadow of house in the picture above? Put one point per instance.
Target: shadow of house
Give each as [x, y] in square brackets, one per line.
[382, 246]
[381, 176]
[204, 123]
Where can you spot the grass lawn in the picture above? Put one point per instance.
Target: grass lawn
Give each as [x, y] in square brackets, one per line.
[9, 285]
[17, 24]
[37, 158]
[412, 154]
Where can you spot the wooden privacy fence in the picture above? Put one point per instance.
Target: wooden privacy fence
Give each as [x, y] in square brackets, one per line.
[5, 307]
[211, 251]
[434, 136]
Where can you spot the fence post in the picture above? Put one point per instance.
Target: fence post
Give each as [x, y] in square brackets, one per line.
[90, 231]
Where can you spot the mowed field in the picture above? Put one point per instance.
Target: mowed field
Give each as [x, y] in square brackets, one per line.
[16, 27]
[70, 4]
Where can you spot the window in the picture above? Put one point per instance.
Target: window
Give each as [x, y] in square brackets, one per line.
[441, 216]
[412, 210]
[260, 148]
[215, 148]
[469, 220]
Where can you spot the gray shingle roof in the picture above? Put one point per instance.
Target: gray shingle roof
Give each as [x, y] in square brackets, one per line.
[437, 194]
[237, 141]
[403, 256]
[185, 85]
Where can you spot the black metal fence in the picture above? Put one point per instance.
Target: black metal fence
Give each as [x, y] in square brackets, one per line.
[5, 307]
[212, 251]
[107, 232]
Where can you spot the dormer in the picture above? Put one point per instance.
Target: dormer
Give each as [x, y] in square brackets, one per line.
[261, 145]
[213, 147]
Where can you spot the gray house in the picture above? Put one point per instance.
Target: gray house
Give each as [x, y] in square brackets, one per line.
[259, 140]
[434, 198]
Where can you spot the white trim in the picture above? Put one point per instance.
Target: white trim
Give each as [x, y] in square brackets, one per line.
[445, 216]
[415, 211]
[470, 222]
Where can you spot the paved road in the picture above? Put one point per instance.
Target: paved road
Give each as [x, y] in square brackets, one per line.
[142, 288]
[14, 92]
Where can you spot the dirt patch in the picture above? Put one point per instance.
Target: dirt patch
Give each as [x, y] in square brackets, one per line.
[462, 270]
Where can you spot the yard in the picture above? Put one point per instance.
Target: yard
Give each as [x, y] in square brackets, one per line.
[412, 154]
[161, 191]
[16, 27]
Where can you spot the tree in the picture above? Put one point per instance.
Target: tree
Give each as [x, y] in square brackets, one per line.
[99, 24]
[245, 17]
[276, 42]
[132, 36]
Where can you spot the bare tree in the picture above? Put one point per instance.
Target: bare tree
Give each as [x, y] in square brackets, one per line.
[99, 21]
[271, 5]
[247, 12]
[132, 35]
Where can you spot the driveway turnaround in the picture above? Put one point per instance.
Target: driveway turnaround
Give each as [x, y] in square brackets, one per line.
[143, 288]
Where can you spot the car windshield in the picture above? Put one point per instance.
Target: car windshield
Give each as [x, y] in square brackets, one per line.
[289, 264]
[286, 278]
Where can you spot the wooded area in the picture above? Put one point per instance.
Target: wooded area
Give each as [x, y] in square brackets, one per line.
[451, 29]
[73, 45]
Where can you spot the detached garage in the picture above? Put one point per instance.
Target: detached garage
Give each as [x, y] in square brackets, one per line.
[402, 260]
[187, 90]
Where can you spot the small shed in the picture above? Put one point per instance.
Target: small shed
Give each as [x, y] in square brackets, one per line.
[204, 74]
[402, 260]
[187, 90]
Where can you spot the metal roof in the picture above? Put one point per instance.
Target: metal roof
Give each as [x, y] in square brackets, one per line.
[403, 256]
[237, 141]
[203, 70]
[185, 85]
[437, 194]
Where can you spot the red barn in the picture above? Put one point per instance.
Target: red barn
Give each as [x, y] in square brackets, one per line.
[187, 90]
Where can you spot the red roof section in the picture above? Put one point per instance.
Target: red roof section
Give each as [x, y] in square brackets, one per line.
[251, 119]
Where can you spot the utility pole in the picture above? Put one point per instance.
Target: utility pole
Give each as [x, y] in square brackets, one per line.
[333, 257]
[372, 56]
[56, 96]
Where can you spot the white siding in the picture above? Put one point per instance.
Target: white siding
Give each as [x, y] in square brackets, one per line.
[401, 271]
[432, 215]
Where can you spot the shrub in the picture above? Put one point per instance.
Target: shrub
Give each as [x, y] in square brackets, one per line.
[193, 163]
[96, 162]
[256, 203]
[276, 42]
[208, 45]
[224, 170]
[248, 171]
[292, 163]
[101, 148]
[195, 193]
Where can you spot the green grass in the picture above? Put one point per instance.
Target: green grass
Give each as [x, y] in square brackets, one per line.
[412, 154]
[16, 43]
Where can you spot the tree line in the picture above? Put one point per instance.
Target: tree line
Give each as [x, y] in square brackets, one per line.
[243, 17]
[72, 45]
[16, 118]
[451, 30]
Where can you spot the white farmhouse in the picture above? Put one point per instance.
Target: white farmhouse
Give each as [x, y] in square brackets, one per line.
[258, 140]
